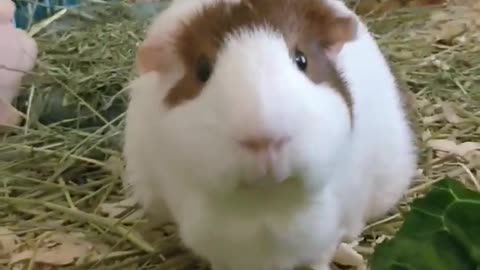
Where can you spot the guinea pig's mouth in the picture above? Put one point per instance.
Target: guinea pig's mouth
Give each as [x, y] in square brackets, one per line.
[266, 182]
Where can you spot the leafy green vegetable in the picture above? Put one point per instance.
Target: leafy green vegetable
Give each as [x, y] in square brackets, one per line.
[441, 232]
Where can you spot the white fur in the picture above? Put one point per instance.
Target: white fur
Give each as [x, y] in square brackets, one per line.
[183, 164]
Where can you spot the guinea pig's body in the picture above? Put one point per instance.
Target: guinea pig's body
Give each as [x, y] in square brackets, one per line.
[265, 146]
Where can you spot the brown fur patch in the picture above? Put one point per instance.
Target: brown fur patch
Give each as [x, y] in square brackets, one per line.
[307, 25]
[408, 99]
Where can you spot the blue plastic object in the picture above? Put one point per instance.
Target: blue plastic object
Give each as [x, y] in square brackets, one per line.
[40, 10]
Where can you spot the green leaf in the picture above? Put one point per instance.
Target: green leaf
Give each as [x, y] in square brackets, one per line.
[441, 232]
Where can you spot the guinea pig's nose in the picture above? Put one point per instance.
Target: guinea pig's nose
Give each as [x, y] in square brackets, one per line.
[267, 152]
[260, 144]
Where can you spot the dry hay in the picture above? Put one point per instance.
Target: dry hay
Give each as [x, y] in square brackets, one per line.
[61, 173]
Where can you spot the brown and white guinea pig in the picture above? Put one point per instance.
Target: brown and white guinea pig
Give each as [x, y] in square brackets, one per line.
[267, 130]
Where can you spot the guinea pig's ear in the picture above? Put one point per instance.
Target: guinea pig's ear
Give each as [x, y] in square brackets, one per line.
[340, 30]
[155, 54]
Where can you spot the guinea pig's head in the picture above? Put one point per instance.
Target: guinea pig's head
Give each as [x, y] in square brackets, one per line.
[257, 98]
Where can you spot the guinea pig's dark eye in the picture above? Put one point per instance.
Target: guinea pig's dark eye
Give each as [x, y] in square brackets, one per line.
[204, 69]
[300, 60]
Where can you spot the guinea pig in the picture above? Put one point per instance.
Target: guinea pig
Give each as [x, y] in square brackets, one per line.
[268, 131]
